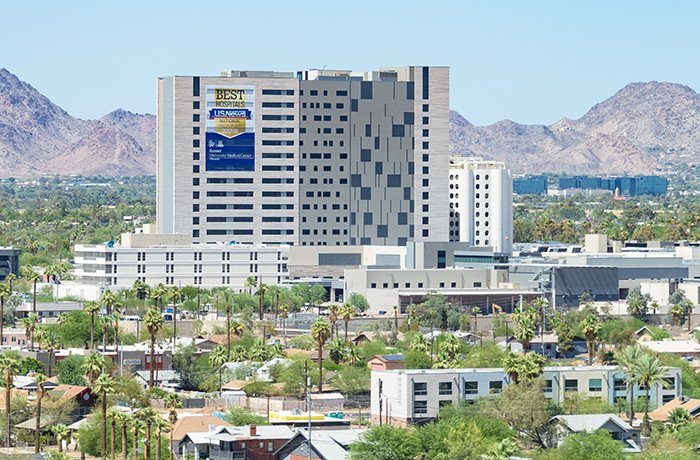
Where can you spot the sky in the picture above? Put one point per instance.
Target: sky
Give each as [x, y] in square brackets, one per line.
[528, 61]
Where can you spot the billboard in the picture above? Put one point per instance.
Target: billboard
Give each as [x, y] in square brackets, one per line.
[230, 128]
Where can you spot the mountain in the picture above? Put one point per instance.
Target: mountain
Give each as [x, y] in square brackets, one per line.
[39, 137]
[639, 130]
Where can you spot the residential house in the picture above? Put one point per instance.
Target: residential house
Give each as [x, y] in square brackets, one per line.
[194, 423]
[683, 348]
[590, 423]
[661, 414]
[385, 362]
[249, 442]
[83, 397]
[324, 445]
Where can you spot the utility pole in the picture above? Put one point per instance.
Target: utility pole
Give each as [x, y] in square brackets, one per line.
[307, 381]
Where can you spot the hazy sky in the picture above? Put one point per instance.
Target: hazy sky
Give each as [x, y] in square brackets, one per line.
[529, 61]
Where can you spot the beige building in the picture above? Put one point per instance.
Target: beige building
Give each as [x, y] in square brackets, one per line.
[317, 157]
[408, 396]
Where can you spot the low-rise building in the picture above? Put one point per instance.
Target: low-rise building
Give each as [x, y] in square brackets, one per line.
[408, 396]
[385, 362]
[590, 423]
[683, 348]
[47, 310]
[173, 260]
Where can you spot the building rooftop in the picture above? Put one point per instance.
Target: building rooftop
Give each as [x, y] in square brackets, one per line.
[672, 346]
[494, 369]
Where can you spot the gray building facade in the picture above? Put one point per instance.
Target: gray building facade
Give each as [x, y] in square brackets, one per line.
[322, 157]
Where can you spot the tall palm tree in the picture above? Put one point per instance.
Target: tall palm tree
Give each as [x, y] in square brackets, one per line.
[91, 308]
[590, 327]
[141, 290]
[93, 366]
[114, 319]
[320, 332]
[628, 360]
[9, 366]
[51, 343]
[228, 330]
[649, 372]
[251, 283]
[347, 312]
[10, 280]
[138, 426]
[283, 314]
[112, 415]
[172, 402]
[123, 419]
[29, 323]
[154, 323]
[217, 359]
[61, 432]
[103, 386]
[333, 310]
[420, 343]
[175, 297]
[40, 380]
[5, 293]
[262, 288]
[157, 295]
[108, 299]
[33, 277]
[148, 415]
[161, 426]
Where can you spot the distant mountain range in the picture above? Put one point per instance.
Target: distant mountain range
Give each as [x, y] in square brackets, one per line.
[640, 130]
[39, 137]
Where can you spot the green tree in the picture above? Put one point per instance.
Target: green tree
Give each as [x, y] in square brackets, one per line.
[638, 304]
[649, 372]
[69, 370]
[103, 386]
[238, 416]
[154, 323]
[352, 380]
[385, 442]
[465, 442]
[525, 327]
[91, 308]
[61, 432]
[217, 359]
[677, 418]
[358, 301]
[591, 446]
[317, 295]
[590, 328]
[189, 367]
[320, 332]
[337, 349]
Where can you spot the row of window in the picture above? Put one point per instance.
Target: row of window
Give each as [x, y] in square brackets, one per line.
[442, 284]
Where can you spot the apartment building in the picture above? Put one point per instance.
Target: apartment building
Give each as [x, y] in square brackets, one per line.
[174, 260]
[407, 396]
[481, 203]
[320, 157]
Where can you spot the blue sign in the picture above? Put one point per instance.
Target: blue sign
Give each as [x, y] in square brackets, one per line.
[230, 154]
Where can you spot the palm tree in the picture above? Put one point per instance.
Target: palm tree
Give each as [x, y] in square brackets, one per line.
[337, 349]
[33, 277]
[93, 366]
[262, 288]
[513, 366]
[108, 299]
[420, 343]
[114, 319]
[451, 345]
[5, 293]
[283, 314]
[148, 415]
[217, 359]
[251, 283]
[333, 317]
[112, 415]
[51, 343]
[525, 328]
[103, 386]
[628, 361]
[61, 432]
[677, 418]
[228, 330]
[353, 355]
[175, 296]
[10, 280]
[649, 372]
[123, 419]
[91, 308]
[590, 327]
[154, 323]
[320, 332]
[172, 402]
[29, 323]
[347, 312]
[138, 426]
[141, 291]
[9, 366]
[40, 380]
[161, 425]
[676, 312]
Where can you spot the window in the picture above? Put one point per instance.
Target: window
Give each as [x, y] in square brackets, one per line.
[445, 388]
[570, 385]
[420, 388]
[471, 388]
[547, 386]
[671, 383]
[620, 385]
[420, 407]
[444, 402]
[595, 385]
[495, 387]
